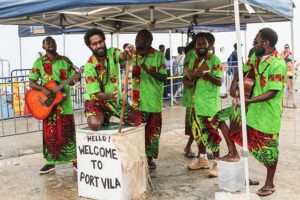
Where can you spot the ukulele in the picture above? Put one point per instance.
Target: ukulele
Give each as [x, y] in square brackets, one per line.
[40, 105]
[202, 68]
[249, 81]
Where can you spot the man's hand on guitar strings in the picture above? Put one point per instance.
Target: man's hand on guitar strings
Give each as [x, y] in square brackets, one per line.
[47, 92]
[207, 75]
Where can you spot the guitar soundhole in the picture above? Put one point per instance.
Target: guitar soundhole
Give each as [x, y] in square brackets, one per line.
[48, 102]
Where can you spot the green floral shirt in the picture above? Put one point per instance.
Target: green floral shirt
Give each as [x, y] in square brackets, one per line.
[59, 69]
[270, 75]
[102, 78]
[147, 92]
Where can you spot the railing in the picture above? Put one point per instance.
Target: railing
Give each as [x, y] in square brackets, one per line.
[14, 115]
[20, 72]
[16, 119]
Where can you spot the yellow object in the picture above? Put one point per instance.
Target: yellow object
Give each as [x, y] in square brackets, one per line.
[18, 103]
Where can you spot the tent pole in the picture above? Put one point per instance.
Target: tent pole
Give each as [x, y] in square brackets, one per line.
[118, 35]
[111, 39]
[245, 44]
[294, 80]
[20, 53]
[171, 66]
[64, 44]
[182, 43]
[245, 153]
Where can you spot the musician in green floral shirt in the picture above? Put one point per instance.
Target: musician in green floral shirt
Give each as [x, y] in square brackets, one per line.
[202, 80]
[59, 145]
[264, 110]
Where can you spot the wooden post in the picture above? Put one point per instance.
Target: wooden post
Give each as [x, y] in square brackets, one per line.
[124, 95]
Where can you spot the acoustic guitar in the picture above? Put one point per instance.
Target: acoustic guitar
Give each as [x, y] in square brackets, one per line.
[202, 68]
[235, 125]
[249, 81]
[39, 105]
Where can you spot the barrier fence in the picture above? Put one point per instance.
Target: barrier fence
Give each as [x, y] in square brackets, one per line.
[14, 115]
[16, 119]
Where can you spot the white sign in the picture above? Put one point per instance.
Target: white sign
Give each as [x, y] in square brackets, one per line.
[100, 173]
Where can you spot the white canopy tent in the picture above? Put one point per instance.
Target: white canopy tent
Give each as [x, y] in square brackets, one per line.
[131, 16]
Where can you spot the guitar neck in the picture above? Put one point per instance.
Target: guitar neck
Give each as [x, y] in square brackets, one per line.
[62, 85]
[65, 82]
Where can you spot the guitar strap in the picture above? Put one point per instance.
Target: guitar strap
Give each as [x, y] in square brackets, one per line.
[200, 63]
[263, 70]
[256, 70]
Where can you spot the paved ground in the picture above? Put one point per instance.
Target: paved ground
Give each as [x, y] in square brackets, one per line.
[21, 158]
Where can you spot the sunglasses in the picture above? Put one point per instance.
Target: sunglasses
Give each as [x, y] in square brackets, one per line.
[258, 41]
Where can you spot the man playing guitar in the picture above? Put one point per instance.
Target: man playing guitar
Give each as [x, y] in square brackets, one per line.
[264, 107]
[59, 145]
[202, 80]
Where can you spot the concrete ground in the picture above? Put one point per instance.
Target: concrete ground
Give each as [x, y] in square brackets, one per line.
[21, 159]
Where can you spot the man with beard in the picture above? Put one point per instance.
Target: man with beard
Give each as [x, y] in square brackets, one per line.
[101, 72]
[201, 95]
[188, 114]
[264, 110]
[148, 76]
[59, 145]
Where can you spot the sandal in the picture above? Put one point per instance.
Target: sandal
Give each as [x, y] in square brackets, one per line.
[265, 192]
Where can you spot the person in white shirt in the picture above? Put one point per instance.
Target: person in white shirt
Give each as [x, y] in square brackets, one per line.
[178, 65]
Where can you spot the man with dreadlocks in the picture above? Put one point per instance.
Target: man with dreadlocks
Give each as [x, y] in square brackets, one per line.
[202, 80]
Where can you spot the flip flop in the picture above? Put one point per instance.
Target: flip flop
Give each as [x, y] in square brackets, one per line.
[265, 192]
[252, 182]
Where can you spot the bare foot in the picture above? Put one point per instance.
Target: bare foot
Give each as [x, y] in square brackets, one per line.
[230, 158]
[266, 190]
